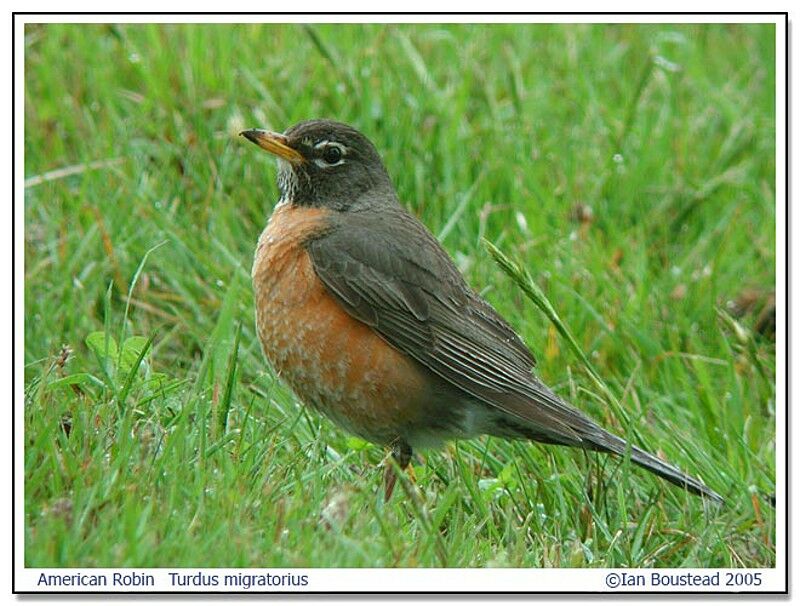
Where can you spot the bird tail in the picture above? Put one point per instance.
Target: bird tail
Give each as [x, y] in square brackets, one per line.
[544, 417]
[610, 443]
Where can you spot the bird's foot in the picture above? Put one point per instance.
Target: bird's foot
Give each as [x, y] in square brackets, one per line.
[401, 453]
[389, 480]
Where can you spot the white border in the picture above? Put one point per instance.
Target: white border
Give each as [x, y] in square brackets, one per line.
[781, 276]
[410, 579]
[400, 18]
[428, 580]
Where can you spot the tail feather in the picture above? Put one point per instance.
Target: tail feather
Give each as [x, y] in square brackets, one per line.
[566, 425]
[614, 444]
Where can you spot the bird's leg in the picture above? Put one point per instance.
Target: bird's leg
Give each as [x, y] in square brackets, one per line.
[401, 452]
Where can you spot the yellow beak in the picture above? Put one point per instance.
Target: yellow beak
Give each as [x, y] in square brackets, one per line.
[274, 143]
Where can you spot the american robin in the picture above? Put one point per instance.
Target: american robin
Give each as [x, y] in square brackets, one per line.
[363, 313]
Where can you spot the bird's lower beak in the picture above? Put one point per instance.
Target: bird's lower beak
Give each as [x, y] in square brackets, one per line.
[274, 143]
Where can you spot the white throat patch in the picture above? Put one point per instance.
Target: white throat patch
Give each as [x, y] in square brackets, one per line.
[287, 181]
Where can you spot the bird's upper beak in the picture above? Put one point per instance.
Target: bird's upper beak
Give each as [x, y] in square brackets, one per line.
[274, 143]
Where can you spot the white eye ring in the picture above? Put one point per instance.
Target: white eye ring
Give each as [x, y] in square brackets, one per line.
[330, 144]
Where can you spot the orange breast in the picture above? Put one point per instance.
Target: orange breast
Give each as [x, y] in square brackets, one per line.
[333, 362]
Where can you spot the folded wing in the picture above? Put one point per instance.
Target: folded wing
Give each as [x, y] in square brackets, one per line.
[400, 282]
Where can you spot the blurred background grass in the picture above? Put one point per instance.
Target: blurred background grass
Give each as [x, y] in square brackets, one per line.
[630, 168]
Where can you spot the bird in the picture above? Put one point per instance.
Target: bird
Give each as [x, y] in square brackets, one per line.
[365, 316]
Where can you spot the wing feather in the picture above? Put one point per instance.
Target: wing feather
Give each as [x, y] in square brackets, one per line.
[403, 284]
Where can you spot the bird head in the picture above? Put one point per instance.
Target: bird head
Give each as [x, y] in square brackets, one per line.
[326, 163]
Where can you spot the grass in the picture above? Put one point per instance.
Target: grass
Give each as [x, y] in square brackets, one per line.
[628, 169]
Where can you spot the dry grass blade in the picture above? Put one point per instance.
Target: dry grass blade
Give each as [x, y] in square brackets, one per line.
[68, 171]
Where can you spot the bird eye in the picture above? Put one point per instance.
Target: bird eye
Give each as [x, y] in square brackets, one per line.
[332, 154]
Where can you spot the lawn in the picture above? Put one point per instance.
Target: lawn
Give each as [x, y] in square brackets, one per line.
[630, 170]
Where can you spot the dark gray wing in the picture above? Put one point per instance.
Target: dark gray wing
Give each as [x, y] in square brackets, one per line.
[389, 272]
